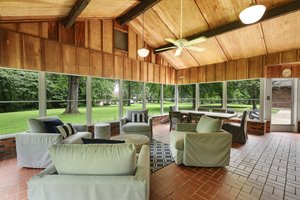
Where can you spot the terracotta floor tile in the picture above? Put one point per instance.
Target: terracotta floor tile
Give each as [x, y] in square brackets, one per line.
[266, 167]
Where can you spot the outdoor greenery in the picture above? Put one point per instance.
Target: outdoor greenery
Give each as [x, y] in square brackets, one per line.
[19, 97]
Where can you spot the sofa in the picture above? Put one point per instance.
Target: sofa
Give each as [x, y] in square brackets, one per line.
[143, 127]
[106, 172]
[32, 146]
[209, 148]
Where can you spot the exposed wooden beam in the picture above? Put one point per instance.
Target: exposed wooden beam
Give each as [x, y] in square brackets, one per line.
[272, 13]
[136, 11]
[75, 12]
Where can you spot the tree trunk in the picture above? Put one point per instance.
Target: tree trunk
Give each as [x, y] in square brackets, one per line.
[254, 104]
[129, 95]
[73, 88]
[194, 96]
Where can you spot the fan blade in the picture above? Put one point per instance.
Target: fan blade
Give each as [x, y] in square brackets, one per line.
[199, 49]
[196, 41]
[171, 40]
[166, 48]
[178, 52]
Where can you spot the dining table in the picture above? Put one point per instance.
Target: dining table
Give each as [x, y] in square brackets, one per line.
[210, 114]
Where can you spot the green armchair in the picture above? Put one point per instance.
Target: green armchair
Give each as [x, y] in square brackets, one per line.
[200, 149]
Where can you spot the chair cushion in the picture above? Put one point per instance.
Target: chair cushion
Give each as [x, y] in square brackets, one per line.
[36, 125]
[66, 130]
[136, 127]
[177, 139]
[101, 141]
[130, 112]
[208, 125]
[94, 159]
[138, 117]
[51, 125]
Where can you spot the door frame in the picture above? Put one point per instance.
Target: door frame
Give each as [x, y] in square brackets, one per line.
[294, 122]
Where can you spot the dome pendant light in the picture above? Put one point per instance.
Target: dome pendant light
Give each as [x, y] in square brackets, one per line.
[143, 52]
[252, 14]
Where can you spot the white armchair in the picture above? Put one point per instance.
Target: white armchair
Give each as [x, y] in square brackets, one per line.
[33, 146]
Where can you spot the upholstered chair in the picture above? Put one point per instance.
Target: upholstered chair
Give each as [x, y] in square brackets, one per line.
[238, 130]
[137, 122]
[202, 145]
[176, 117]
[33, 146]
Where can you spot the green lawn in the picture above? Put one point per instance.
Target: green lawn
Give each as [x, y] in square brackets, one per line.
[15, 122]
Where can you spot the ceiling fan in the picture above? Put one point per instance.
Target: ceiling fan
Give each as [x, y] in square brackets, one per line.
[182, 43]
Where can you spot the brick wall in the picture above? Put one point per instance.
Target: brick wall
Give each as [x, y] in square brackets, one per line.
[256, 127]
[7, 148]
[268, 126]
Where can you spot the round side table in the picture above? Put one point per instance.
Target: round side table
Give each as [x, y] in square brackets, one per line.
[102, 131]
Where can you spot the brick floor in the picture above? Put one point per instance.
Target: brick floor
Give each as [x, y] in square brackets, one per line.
[267, 167]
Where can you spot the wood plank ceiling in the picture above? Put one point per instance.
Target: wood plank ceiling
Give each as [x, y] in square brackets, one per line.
[162, 21]
[58, 9]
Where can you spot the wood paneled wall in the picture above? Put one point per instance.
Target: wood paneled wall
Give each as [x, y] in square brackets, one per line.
[84, 49]
[269, 66]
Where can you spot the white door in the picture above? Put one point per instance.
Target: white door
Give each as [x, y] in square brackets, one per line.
[283, 108]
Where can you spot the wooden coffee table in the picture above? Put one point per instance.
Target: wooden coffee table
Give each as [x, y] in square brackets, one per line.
[136, 139]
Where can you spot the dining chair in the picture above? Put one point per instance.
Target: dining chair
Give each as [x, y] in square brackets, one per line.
[238, 130]
[175, 117]
[173, 108]
[194, 117]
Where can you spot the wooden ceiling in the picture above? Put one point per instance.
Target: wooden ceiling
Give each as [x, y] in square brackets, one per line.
[162, 21]
[58, 9]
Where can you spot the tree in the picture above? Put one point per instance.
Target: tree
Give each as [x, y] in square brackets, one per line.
[102, 90]
[133, 91]
[73, 89]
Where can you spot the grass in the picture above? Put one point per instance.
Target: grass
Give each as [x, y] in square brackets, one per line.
[14, 122]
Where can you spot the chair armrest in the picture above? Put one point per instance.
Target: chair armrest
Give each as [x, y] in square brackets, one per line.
[80, 127]
[39, 138]
[143, 168]
[122, 121]
[187, 127]
[150, 121]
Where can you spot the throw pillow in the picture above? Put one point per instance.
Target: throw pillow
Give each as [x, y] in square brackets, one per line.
[51, 125]
[101, 141]
[208, 125]
[138, 117]
[66, 130]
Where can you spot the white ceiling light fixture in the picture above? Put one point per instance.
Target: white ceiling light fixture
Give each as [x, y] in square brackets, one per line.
[143, 52]
[253, 13]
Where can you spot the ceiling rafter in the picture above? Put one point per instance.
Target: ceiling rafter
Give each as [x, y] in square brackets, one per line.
[272, 13]
[136, 11]
[76, 10]
[263, 37]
